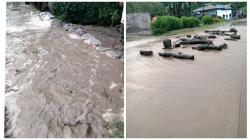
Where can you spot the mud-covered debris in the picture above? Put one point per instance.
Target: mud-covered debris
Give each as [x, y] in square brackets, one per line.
[201, 37]
[18, 70]
[234, 36]
[91, 40]
[211, 36]
[176, 45]
[146, 52]
[178, 55]
[233, 30]
[231, 39]
[188, 36]
[196, 41]
[167, 44]
[203, 47]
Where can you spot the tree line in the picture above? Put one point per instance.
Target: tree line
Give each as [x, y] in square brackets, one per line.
[177, 9]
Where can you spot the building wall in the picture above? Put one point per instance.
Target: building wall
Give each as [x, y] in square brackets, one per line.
[211, 12]
[227, 13]
[137, 22]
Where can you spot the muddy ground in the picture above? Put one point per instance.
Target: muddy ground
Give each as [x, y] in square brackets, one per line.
[57, 85]
[204, 97]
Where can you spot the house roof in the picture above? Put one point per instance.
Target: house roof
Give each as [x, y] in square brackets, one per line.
[208, 7]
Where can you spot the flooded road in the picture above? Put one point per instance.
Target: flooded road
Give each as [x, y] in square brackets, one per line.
[56, 85]
[168, 97]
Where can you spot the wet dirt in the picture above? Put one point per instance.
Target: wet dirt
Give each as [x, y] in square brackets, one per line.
[204, 97]
[56, 86]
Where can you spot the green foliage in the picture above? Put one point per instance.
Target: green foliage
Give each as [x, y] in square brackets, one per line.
[190, 22]
[216, 20]
[163, 24]
[154, 8]
[207, 19]
[244, 9]
[116, 129]
[87, 13]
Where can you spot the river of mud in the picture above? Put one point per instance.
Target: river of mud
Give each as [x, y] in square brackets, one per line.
[57, 85]
[204, 97]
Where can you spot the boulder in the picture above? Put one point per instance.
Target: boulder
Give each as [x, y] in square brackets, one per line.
[234, 36]
[176, 55]
[146, 52]
[167, 44]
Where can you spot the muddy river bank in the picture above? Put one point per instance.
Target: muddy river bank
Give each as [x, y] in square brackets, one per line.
[58, 85]
[204, 97]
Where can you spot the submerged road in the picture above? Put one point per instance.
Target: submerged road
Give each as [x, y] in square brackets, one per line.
[168, 97]
[56, 85]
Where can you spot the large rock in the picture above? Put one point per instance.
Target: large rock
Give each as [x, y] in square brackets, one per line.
[234, 36]
[91, 40]
[167, 44]
[146, 52]
[176, 55]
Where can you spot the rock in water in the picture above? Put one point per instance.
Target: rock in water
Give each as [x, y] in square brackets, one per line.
[234, 36]
[177, 55]
[167, 44]
[146, 52]
[233, 30]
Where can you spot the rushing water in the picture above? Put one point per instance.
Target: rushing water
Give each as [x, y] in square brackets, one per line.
[168, 97]
[56, 85]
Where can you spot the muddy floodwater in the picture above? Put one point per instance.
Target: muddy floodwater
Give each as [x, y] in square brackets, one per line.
[204, 97]
[56, 85]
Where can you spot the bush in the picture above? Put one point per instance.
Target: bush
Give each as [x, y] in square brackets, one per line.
[208, 20]
[216, 20]
[190, 22]
[86, 13]
[163, 24]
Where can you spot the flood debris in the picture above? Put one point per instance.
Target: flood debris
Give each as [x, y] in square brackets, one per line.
[211, 36]
[146, 52]
[177, 44]
[204, 47]
[232, 39]
[234, 36]
[222, 32]
[201, 37]
[196, 41]
[178, 55]
[167, 44]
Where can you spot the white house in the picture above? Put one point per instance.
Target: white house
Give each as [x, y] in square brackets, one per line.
[223, 11]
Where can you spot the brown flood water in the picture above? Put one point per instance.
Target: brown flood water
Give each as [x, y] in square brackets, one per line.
[168, 97]
[55, 84]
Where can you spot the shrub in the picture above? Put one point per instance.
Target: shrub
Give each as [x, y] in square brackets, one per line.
[86, 13]
[208, 19]
[163, 24]
[216, 20]
[190, 22]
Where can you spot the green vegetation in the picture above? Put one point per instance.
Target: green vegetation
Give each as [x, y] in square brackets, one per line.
[216, 20]
[207, 19]
[244, 9]
[163, 24]
[116, 129]
[177, 9]
[190, 22]
[85, 13]
[183, 31]
[154, 8]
